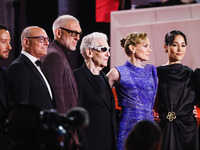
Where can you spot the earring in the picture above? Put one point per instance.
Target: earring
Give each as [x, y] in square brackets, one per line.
[133, 52]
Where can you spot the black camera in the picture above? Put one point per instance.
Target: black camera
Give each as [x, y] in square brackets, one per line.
[32, 129]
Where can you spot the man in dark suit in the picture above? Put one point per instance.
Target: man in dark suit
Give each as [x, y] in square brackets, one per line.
[95, 94]
[56, 64]
[28, 84]
[5, 48]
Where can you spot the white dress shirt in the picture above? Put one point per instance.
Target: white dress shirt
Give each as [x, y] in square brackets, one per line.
[33, 60]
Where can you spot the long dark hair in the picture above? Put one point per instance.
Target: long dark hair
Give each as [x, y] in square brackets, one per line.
[170, 36]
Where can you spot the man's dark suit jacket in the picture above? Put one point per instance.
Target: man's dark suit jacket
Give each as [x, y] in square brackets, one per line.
[27, 85]
[4, 107]
[4, 94]
[100, 134]
[60, 76]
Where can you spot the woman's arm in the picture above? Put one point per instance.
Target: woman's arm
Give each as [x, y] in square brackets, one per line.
[113, 77]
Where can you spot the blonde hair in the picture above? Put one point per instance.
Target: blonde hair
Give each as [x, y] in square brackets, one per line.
[133, 39]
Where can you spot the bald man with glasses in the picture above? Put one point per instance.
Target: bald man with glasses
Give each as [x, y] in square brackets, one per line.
[56, 64]
[28, 84]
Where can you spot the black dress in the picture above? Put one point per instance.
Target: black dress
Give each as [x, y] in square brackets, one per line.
[176, 100]
[197, 89]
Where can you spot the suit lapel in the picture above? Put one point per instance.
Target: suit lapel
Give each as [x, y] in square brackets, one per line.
[32, 67]
[2, 90]
[111, 93]
[92, 81]
[72, 79]
[65, 54]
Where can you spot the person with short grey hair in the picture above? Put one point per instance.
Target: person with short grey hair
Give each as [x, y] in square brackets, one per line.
[62, 21]
[56, 64]
[95, 94]
[91, 41]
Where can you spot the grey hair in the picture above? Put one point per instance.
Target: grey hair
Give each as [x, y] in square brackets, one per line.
[26, 33]
[90, 41]
[62, 21]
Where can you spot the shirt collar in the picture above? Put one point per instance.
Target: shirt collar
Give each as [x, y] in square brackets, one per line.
[32, 58]
[64, 49]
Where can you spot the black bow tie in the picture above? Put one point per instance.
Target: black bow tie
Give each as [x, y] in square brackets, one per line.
[38, 63]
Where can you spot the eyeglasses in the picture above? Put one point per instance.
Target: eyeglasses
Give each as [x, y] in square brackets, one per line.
[101, 49]
[72, 33]
[41, 39]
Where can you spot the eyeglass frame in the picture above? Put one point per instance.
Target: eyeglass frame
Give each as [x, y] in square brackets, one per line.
[39, 38]
[99, 48]
[71, 32]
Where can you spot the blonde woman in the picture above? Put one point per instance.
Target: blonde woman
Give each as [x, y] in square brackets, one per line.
[135, 84]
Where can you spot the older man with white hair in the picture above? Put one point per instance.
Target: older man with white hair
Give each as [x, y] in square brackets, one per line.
[95, 94]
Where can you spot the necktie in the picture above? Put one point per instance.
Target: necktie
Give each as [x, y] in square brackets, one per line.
[38, 63]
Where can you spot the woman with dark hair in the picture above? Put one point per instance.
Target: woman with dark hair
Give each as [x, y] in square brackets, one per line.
[176, 97]
[145, 135]
[135, 84]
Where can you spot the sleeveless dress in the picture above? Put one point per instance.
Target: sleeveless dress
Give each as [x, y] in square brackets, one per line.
[176, 100]
[136, 93]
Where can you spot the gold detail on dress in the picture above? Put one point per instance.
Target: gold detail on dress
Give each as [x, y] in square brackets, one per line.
[171, 116]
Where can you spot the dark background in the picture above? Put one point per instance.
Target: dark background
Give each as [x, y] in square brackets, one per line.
[18, 14]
